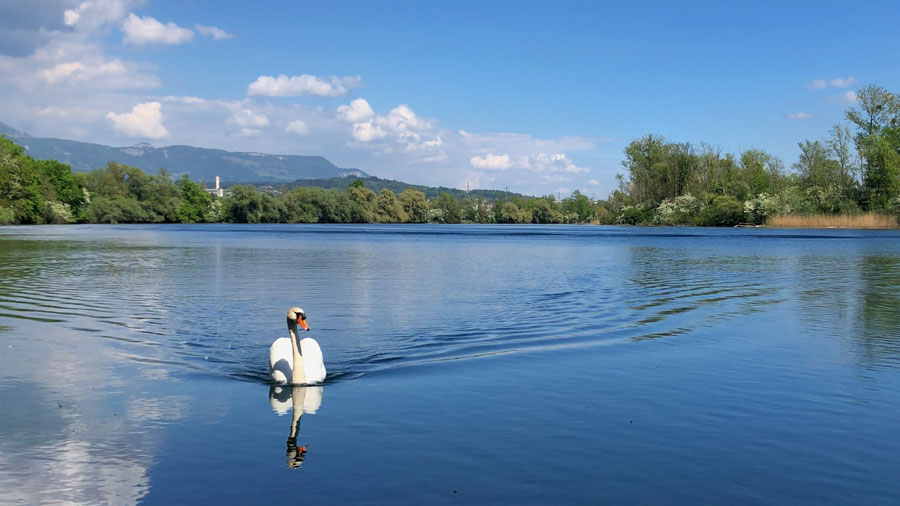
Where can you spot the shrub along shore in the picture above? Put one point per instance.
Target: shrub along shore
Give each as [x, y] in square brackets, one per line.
[850, 179]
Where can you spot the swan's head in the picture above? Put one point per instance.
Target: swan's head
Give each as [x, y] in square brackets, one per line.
[296, 316]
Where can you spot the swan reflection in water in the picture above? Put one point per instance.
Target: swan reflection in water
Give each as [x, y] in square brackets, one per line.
[299, 400]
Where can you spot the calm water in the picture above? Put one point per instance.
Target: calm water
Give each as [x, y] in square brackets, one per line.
[467, 364]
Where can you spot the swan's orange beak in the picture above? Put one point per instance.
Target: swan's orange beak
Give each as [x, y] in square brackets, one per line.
[303, 324]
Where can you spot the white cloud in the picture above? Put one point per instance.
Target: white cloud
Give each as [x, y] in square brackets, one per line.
[97, 73]
[367, 131]
[184, 100]
[837, 82]
[817, 84]
[491, 162]
[593, 182]
[298, 126]
[249, 132]
[842, 82]
[555, 163]
[148, 30]
[144, 120]
[213, 31]
[847, 97]
[306, 84]
[801, 115]
[91, 14]
[359, 110]
[249, 119]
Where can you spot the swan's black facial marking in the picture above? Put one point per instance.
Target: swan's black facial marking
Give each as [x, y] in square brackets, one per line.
[301, 316]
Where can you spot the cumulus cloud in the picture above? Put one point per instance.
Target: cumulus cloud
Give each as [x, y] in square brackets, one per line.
[401, 126]
[359, 110]
[249, 123]
[249, 118]
[837, 82]
[593, 182]
[148, 30]
[553, 163]
[213, 31]
[801, 115]
[367, 131]
[97, 73]
[91, 14]
[491, 161]
[298, 126]
[144, 120]
[306, 84]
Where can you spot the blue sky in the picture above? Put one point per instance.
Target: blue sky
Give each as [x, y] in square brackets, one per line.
[537, 97]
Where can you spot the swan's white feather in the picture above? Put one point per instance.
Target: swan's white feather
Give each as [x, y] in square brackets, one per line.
[281, 361]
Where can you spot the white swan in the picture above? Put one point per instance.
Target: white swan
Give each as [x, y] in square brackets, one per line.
[294, 361]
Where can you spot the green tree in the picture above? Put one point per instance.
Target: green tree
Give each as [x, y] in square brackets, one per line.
[388, 209]
[67, 189]
[195, 202]
[414, 205]
[579, 205]
[722, 211]
[366, 202]
[21, 186]
[449, 208]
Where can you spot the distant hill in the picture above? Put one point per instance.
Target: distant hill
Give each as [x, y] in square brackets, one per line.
[198, 163]
[377, 184]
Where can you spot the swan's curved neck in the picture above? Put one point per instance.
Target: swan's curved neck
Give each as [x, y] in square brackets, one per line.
[298, 373]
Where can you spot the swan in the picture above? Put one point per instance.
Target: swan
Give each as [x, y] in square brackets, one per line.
[293, 361]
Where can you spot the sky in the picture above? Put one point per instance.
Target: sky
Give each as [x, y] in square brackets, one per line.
[535, 97]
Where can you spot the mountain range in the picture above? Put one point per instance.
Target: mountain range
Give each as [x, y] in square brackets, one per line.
[198, 163]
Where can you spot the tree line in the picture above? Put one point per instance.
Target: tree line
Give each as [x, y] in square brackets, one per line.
[855, 169]
[47, 191]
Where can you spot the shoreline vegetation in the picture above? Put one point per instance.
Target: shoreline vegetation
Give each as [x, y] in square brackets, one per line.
[849, 180]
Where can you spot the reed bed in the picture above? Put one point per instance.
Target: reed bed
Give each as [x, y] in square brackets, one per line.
[861, 221]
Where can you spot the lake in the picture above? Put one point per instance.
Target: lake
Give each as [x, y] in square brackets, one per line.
[466, 364]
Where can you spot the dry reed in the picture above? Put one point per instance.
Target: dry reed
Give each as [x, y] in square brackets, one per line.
[868, 221]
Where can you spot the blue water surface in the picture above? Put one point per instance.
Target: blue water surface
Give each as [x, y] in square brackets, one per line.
[479, 364]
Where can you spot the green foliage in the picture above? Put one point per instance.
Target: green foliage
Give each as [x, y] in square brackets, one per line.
[578, 205]
[414, 205]
[477, 210]
[510, 213]
[196, 203]
[247, 205]
[447, 209]
[722, 211]
[124, 194]
[635, 215]
[389, 209]
[7, 216]
[67, 188]
[115, 209]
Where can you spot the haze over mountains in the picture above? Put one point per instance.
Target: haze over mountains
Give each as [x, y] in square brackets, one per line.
[199, 163]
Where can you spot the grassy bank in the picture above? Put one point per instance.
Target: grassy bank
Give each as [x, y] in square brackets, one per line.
[862, 221]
